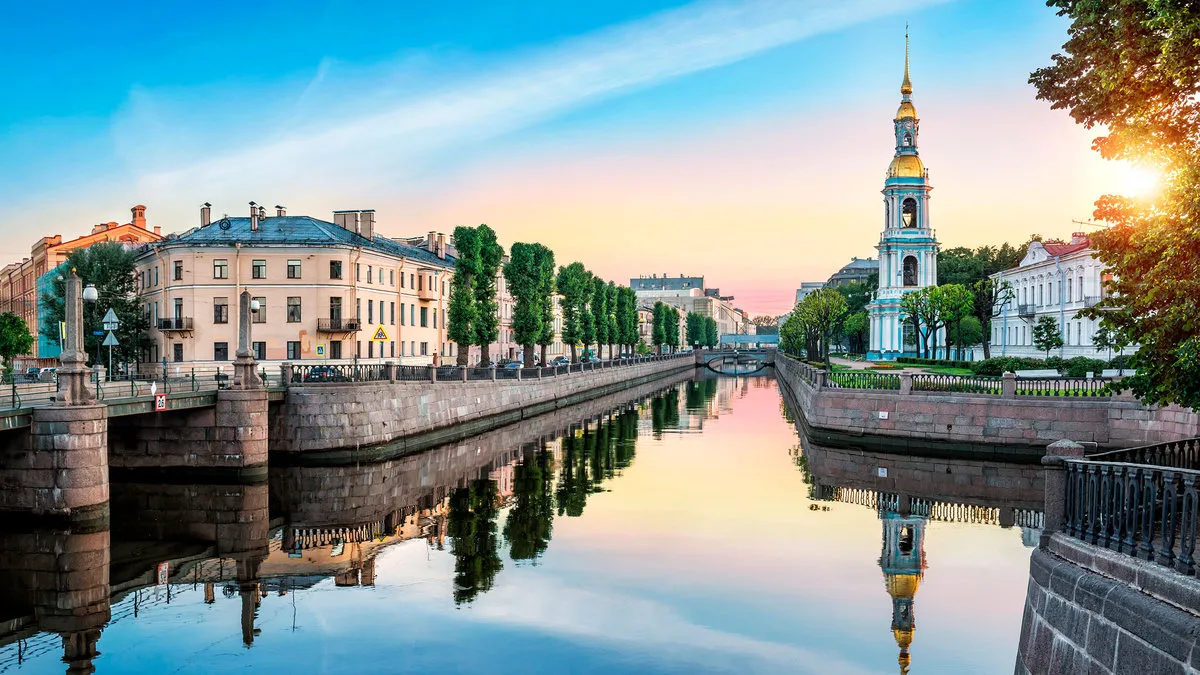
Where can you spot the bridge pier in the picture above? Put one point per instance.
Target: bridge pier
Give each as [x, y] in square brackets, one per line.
[240, 429]
[65, 472]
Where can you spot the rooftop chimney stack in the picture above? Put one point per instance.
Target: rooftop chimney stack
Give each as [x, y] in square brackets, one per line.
[253, 217]
[1079, 238]
[441, 246]
[262, 213]
[280, 211]
[205, 214]
[366, 224]
[430, 240]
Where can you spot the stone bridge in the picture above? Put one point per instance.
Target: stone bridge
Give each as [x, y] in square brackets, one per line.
[736, 361]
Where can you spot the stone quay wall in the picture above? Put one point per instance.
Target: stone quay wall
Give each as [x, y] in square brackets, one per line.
[59, 466]
[1091, 610]
[336, 421]
[1014, 428]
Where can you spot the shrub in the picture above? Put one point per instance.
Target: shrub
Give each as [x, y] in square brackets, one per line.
[1121, 361]
[912, 360]
[1080, 366]
[997, 366]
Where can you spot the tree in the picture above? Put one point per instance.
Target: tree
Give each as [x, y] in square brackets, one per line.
[793, 335]
[614, 330]
[530, 521]
[111, 268]
[1132, 68]
[954, 303]
[1047, 335]
[855, 327]
[671, 327]
[487, 314]
[545, 265]
[1108, 339]
[460, 325]
[471, 525]
[967, 332]
[821, 313]
[914, 307]
[600, 313]
[658, 330]
[711, 338]
[524, 279]
[587, 319]
[573, 283]
[15, 338]
[695, 329]
[974, 269]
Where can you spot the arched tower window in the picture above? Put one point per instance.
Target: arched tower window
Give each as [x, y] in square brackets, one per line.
[908, 213]
[906, 540]
[910, 270]
[907, 140]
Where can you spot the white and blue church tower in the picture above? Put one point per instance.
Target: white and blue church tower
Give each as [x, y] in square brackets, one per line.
[907, 248]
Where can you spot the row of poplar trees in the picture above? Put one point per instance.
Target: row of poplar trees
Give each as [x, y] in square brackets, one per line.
[594, 311]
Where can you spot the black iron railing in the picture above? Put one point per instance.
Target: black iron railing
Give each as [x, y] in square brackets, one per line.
[374, 372]
[1149, 512]
[863, 380]
[412, 373]
[1183, 454]
[339, 325]
[956, 384]
[1063, 386]
[177, 323]
[449, 373]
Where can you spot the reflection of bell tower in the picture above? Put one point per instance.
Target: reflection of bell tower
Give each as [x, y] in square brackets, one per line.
[903, 564]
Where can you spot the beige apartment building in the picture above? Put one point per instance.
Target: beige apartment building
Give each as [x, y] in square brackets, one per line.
[325, 290]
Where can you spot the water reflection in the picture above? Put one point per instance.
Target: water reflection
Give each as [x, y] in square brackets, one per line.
[665, 529]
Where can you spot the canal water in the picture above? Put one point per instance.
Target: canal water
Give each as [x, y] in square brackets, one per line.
[690, 530]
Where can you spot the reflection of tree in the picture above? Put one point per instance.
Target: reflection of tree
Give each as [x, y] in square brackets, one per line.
[699, 394]
[664, 412]
[529, 523]
[473, 540]
[573, 483]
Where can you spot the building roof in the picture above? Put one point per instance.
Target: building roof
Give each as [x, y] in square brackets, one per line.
[665, 283]
[296, 231]
[1055, 247]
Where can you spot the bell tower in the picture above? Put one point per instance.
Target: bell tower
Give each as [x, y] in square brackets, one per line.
[907, 247]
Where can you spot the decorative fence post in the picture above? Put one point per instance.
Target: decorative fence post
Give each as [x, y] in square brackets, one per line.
[462, 371]
[393, 372]
[1008, 385]
[285, 372]
[492, 374]
[819, 379]
[1055, 508]
[906, 381]
[432, 373]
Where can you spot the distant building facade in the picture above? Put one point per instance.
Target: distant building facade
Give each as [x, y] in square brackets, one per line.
[1056, 279]
[806, 289]
[690, 295]
[22, 285]
[858, 270]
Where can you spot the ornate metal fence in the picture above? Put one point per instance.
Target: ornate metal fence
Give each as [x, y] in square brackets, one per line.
[957, 384]
[863, 380]
[412, 373]
[373, 372]
[1149, 512]
[1183, 454]
[1063, 386]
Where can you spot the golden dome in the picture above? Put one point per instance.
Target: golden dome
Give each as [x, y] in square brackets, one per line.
[904, 639]
[906, 166]
[907, 111]
[903, 585]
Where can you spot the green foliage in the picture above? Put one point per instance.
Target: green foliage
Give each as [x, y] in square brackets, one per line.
[914, 361]
[711, 334]
[587, 319]
[972, 269]
[15, 338]
[658, 330]
[528, 527]
[614, 328]
[471, 525]
[487, 315]
[524, 277]
[695, 329]
[600, 311]
[545, 265]
[856, 328]
[1047, 335]
[460, 325]
[642, 349]
[574, 283]
[793, 336]
[671, 327]
[110, 267]
[1132, 68]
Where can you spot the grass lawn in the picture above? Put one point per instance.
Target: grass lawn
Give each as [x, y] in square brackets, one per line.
[946, 370]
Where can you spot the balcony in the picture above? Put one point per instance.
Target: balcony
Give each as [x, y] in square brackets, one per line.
[178, 324]
[427, 293]
[339, 325]
[1091, 300]
[1026, 311]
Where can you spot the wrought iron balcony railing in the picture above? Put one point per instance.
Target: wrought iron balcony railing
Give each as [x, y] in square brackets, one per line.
[339, 325]
[178, 323]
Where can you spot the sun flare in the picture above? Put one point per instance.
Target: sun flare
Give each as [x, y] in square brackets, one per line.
[1137, 181]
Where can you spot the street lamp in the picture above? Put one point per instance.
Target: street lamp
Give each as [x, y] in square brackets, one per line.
[90, 295]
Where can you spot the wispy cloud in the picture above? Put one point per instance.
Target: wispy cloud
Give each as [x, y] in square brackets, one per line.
[391, 135]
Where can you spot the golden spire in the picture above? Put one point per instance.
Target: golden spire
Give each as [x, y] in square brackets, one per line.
[906, 86]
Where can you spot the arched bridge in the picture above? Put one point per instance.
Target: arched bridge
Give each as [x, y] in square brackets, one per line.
[737, 361]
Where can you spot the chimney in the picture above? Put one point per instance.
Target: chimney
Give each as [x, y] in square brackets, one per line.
[441, 246]
[139, 216]
[1079, 238]
[366, 224]
[430, 240]
[205, 214]
[280, 211]
[253, 217]
[262, 213]
[158, 230]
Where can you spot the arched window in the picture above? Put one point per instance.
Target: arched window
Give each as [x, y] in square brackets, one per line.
[908, 140]
[908, 213]
[910, 271]
[906, 540]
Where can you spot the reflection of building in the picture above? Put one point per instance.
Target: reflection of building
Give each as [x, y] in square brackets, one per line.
[907, 248]
[903, 564]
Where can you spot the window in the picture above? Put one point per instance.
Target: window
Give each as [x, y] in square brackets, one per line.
[401, 346]
[335, 269]
[435, 318]
[335, 349]
[220, 351]
[293, 269]
[421, 283]
[357, 271]
[178, 270]
[370, 350]
[424, 349]
[381, 282]
[412, 348]
[908, 213]
[178, 311]
[443, 288]
[424, 317]
[393, 348]
[293, 310]
[392, 279]
[358, 308]
[293, 350]
[370, 274]
[402, 286]
[412, 314]
[358, 349]
[220, 310]
[392, 309]
[910, 271]
[335, 310]
[260, 351]
[178, 351]
[370, 311]
[258, 269]
[156, 275]
[261, 315]
[402, 318]
[221, 269]
[412, 281]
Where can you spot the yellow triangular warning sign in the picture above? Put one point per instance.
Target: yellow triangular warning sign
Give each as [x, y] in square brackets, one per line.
[380, 335]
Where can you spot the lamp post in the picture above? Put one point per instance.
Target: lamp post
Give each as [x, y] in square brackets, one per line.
[90, 295]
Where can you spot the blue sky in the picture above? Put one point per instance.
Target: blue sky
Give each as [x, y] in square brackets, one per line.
[548, 120]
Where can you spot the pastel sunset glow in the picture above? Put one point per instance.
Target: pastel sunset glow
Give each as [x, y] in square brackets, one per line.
[746, 142]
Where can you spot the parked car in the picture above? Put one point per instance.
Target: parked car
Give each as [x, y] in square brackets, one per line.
[560, 361]
[322, 374]
[47, 374]
[513, 365]
[32, 373]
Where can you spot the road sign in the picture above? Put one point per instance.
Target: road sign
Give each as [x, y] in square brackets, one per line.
[62, 331]
[110, 340]
[162, 573]
[320, 350]
[110, 320]
[97, 332]
[160, 402]
[380, 335]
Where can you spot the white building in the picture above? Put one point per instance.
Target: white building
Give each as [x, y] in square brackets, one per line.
[807, 288]
[1055, 279]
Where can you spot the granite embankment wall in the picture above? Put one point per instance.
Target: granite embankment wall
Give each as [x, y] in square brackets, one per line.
[984, 426]
[1091, 610]
[357, 494]
[332, 422]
